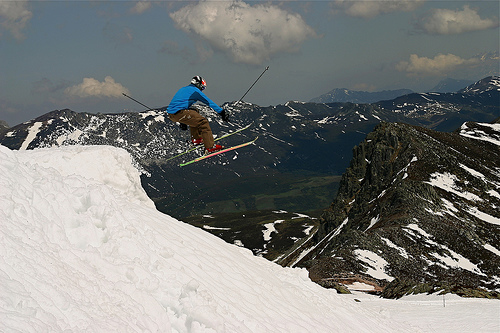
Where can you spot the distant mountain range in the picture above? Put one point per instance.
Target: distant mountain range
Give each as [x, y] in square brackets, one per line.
[343, 95]
[451, 85]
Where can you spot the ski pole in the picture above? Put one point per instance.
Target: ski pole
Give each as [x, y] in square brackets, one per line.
[253, 84]
[137, 101]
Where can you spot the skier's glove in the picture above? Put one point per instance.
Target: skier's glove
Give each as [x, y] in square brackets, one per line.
[224, 116]
[183, 127]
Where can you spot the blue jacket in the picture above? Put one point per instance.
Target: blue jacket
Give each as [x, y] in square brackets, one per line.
[187, 96]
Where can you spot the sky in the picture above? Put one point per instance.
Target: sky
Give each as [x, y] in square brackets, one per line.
[83, 55]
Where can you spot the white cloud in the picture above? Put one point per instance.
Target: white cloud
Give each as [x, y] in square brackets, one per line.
[14, 16]
[247, 34]
[141, 6]
[93, 88]
[446, 21]
[372, 8]
[440, 64]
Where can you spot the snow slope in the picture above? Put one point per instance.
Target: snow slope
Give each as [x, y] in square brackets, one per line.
[84, 249]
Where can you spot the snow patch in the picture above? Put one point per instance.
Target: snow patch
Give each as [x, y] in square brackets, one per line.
[375, 264]
[239, 243]
[32, 132]
[73, 136]
[416, 229]
[492, 249]
[307, 230]
[454, 260]
[483, 216]
[270, 229]
[329, 237]
[300, 216]
[373, 221]
[493, 193]
[158, 117]
[207, 227]
[401, 250]
[477, 134]
[457, 261]
[359, 286]
[446, 181]
[450, 208]
[473, 172]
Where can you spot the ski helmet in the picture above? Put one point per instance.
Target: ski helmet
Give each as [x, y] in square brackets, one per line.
[199, 82]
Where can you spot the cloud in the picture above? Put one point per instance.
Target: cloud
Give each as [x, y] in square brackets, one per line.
[247, 34]
[448, 22]
[440, 64]
[372, 8]
[93, 88]
[141, 6]
[14, 16]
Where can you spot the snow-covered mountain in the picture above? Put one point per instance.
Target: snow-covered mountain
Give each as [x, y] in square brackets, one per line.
[297, 141]
[417, 211]
[447, 111]
[486, 85]
[84, 250]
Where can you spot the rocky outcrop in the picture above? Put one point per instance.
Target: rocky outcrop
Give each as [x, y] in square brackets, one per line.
[418, 210]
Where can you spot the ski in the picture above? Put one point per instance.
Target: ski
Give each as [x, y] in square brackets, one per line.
[216, 139]
[219, 152]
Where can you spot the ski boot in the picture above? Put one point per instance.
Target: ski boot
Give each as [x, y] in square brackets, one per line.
[213, 149]
[197, 142]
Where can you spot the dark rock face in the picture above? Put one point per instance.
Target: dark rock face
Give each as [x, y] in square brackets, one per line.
[419, 209]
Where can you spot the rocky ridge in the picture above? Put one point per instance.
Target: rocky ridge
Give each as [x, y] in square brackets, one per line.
[418, 211]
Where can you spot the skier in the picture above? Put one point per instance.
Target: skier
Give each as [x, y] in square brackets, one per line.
[180, 110]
